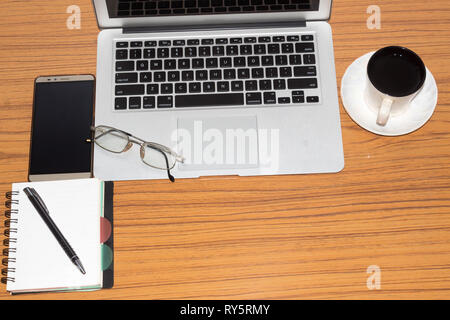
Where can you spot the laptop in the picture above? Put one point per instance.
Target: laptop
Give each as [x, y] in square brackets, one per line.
[236, 87]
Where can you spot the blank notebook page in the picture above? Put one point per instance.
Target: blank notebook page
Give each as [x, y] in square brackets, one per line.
[41, 264]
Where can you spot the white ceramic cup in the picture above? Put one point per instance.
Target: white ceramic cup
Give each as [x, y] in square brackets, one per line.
[395, 75]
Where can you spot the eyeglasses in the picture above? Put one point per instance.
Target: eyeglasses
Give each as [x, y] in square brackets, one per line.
[152, 154]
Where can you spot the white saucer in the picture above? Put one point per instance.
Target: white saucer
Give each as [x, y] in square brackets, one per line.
[418, 113]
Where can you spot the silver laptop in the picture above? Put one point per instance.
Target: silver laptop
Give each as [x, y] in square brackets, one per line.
[236, 87]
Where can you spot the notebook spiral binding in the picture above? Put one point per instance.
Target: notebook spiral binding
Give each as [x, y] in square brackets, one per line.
[8, 251]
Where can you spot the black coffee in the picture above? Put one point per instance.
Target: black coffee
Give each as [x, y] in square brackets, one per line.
[396, 71]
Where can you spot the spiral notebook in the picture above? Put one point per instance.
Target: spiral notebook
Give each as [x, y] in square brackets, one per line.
[34, 261]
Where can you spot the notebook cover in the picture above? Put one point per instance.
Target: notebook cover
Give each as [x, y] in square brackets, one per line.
[107, 236]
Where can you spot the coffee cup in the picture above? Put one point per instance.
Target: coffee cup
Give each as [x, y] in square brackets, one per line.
[394, 77]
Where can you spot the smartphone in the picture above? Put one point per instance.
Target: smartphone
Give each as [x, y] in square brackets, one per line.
[63, 112]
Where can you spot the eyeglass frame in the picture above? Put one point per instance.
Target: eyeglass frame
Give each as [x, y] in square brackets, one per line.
[142, 143]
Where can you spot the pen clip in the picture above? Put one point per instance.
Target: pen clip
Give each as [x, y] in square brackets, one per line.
[38, 198]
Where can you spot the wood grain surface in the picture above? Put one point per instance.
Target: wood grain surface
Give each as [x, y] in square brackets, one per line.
[278, 237]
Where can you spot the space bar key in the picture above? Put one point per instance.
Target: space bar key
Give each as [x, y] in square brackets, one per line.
[209, 100]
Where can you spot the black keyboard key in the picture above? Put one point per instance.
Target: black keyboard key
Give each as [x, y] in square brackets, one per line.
[259, 49]
[283, 100]
[135, 53]
[173, 76]
[209, 100]
[267, 60]
[149, 53]
[198, 63]
[269, 97]
[253, 98]
[293, 38]
[279, 84]
[287, 48]
[239, 62]
[148, 103]
[164, 43]
[170, 64]
[236, 40]
[176, 52]
[150, 43]
[183, 64]
[218, 50]
[265, 85]
[309, 59]
[306, 71]
[207, 41]
[145, 77]
[121, 54]
[295, 59]
[201, 75]
[135, 103]
[253, 61]
[130, 90]
[135, 44]
[179, 42]
[211, 62]
[121, 44]
[271, 72]
[302, 83]
[125, 66]
[273, 48]
[225, 62]
[304, 47]
[298, 99]
[195, 87]
[120, 104]
[155, 64]
[159, 77]
[223, 86]
[215, 74]
[263, 39]
[165, 102]
[281, 60]
[229, 74]
[278, 39]
[180, 87]
[209, 86]
[142, 65]
[222, 41]
[298, 93]
[245, 49]
[152, 89]
[204, 51]
[237, 85]
[312, 99]
[257, 73]
[193, 42]
[166, 88]
[190, 52]
[163, 53]
[307, 37]
[285, 72]
[187, 75]
[232, 50]
[250, 40]
[243, 73]
[251, 85]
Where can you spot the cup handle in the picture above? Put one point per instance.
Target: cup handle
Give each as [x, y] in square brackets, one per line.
[384, 112]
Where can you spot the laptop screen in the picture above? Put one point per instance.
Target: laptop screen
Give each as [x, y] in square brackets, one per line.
[160, 8]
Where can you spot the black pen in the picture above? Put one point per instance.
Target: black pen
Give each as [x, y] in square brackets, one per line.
[43, 212]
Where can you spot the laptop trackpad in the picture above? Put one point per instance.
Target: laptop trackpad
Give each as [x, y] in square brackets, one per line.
[211, 143]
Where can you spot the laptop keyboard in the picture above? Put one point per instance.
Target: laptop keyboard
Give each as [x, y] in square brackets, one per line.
[216, 72]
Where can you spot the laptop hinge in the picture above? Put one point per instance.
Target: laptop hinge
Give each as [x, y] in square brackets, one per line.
[223, 26]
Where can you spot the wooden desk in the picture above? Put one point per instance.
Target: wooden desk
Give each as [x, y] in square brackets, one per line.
[280, 237]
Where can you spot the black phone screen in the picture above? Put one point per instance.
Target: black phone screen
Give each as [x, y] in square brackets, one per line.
[62, 116]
